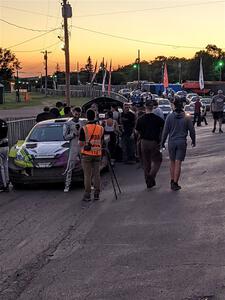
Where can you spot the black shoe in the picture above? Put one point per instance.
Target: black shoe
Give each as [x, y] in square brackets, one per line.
[96, 197]
[150, 182]
[220, 131]
[214, 129]
[171, 184]
[86, 198]
[4, 189]
[175, 186]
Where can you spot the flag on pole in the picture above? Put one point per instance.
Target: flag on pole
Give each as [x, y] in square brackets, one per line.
[201, 77]
[104, 79]
[165, 77]
[94, 74]
[110, 78]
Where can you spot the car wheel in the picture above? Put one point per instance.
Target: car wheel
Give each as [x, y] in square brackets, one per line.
[18, 186]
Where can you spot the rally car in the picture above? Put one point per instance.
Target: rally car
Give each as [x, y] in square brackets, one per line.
[42, 156]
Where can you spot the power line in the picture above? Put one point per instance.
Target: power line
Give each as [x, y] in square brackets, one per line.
[21, 27]
[150, 9]
[27, 11]
[37, 50]
[119, 12]
[36, 37]
[136, 40]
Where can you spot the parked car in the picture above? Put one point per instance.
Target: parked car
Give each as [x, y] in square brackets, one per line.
[206, 102]
[189, 110]
[165, 106]
[182, 95]
[125, 93]
[42, 156]
[189, 96]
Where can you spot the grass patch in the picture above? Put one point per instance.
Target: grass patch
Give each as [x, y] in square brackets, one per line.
[37, 99]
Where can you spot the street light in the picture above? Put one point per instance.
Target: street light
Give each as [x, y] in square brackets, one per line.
[220, 64]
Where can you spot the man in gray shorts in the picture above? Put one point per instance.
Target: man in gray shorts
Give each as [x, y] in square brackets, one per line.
[217, 106]
[177, 126]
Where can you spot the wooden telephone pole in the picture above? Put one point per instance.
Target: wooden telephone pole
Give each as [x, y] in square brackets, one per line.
[67, 13]
[46, 70]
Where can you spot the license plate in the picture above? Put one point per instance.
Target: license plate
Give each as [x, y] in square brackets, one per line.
[44, 165]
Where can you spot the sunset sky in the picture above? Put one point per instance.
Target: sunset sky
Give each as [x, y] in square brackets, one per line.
[177, 23]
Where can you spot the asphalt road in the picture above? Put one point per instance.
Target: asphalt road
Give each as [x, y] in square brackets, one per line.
[157, 245]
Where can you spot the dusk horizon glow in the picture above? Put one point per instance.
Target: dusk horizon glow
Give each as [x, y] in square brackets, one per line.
[110, 29]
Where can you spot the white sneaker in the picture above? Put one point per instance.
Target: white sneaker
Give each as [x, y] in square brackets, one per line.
[66, 190]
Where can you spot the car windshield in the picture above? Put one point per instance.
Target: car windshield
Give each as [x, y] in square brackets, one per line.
[164, 102]
[46, 133]
[191, 95]
[189, 108]
[208, 100]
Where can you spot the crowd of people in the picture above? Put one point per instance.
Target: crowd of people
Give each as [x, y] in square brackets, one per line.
[136, 134]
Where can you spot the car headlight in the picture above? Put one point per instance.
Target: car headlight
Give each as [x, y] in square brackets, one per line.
[19, 156]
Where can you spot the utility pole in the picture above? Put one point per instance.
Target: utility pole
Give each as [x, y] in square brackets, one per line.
[179, 67]
[138, 61]
[67, 13]
[46, 70]
[18, 88]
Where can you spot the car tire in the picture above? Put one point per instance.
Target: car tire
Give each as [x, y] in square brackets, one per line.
[18, 186]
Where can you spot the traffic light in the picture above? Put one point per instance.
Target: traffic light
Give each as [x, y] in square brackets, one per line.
[135, 66]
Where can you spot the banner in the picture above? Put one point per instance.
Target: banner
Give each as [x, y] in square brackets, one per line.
[104, 79]
[201, 77]
[110, 78]
[94, 74]
[165, 77]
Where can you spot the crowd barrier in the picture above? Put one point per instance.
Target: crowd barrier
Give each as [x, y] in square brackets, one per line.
[19, 129]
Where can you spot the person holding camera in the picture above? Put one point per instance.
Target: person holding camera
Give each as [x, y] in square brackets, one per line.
[91, 140]
[71, 131]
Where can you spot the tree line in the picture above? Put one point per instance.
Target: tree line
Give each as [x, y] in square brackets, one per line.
[179, 69]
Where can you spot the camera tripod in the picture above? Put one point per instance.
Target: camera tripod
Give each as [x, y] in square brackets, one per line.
[114, 179]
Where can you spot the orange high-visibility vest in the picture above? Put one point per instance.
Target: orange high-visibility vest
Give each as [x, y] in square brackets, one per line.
[95, 133]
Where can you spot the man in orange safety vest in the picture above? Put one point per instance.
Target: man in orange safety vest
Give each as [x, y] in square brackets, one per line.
[91, 140]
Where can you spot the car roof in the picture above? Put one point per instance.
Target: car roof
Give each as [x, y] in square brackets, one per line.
[163, 99]
[59, 120]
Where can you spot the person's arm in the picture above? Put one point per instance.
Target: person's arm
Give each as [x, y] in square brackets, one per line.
[82, 137]
[133, 121]
[165, 132]
[212, 104]
[192, 132]
[67, 132]
[161, 124]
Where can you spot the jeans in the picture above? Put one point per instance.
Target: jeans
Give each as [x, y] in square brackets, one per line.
[4, 166]
[91, 169]
[151, 158]
[128, 147]
[197, 117]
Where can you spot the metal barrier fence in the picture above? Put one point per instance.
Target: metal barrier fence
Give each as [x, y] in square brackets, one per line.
[19, 129]
[81, 91]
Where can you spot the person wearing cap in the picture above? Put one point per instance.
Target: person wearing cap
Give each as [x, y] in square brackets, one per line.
[177, 127]
[150, 127]
[91, 141]
[217, 106]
